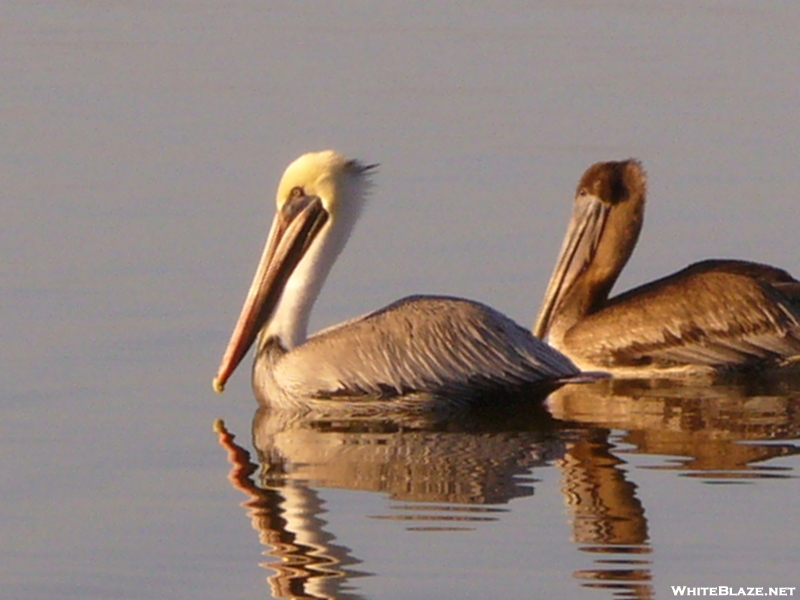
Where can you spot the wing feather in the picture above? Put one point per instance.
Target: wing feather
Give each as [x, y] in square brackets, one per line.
[712, 313]
[421, 343]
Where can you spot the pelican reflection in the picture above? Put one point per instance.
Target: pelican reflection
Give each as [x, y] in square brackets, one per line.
[444, 475]
[704, 425]
[287, 517]
[450, 475]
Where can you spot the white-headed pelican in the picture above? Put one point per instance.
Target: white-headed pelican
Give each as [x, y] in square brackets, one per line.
[445, 346]
[713, 315]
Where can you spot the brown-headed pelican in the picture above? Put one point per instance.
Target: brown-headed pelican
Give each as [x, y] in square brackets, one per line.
[445, 346]
[713, 315]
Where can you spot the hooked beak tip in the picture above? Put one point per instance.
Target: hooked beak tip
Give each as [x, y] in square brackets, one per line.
[218, 385]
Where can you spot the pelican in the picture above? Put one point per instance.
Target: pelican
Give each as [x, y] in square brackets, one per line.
[712, 316]
[419, 344]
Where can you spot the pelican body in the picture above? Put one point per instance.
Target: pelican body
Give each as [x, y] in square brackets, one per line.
[421, 344]
[713, 315]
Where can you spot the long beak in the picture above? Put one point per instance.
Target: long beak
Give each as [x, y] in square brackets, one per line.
[292, 232]
[589, 215]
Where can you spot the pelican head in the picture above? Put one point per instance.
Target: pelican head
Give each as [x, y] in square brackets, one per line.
[319, 199]
[606, 220]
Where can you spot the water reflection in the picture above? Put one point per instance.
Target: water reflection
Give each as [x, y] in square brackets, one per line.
[713, 430]
[702, 425]
[452, 474]
[466, 460]
[287, 517]
[606, 515]
[461, 468]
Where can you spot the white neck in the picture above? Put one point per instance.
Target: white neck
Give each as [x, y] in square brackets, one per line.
[289, 322]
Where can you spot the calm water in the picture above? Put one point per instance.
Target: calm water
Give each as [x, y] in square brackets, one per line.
[142, 142]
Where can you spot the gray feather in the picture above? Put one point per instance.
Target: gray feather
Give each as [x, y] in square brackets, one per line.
[420, 343]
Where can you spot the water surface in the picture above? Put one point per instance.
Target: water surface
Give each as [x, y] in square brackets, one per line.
[142, 144]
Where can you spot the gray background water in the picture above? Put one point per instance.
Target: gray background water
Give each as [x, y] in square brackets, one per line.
[141, 144]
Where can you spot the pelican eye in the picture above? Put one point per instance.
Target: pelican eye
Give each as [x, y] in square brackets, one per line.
[297, 202]
[583, 192]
